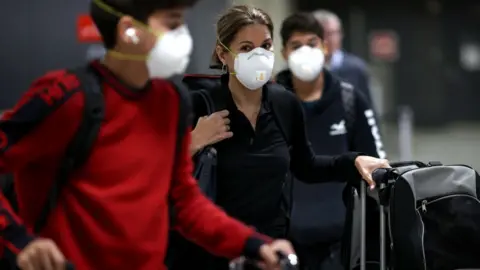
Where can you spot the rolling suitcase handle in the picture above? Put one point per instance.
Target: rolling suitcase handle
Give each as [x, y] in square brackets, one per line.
[287, 262]
[418, 164]
[363, 225]
[381, 178]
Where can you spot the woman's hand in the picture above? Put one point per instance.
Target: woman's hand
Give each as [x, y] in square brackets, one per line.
[366, 165]
[210, 129]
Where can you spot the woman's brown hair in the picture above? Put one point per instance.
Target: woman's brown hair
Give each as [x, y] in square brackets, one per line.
[234, 19]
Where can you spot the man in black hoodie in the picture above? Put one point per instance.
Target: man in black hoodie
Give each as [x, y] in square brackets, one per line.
[338, 119]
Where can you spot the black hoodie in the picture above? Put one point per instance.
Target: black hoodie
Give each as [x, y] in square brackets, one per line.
[319, 213]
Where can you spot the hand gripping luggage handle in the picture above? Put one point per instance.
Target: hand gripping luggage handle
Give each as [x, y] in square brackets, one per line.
[287, 262]
[382, 176]
[363, 225]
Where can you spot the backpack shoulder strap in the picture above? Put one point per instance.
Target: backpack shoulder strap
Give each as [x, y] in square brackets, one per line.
[80, 146]
[349, 105]
[280, 103]
[184, 118]
[184, 113]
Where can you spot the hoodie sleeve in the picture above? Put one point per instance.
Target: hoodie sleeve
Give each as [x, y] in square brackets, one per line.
[366, 137]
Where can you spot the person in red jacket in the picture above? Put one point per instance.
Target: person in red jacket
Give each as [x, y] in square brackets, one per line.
[113, 212]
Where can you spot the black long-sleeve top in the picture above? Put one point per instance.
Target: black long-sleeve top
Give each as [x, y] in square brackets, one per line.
[253, 164]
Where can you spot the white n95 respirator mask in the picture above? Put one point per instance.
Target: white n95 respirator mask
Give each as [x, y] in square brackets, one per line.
[306, 63]
[171, 53]
[254, 68]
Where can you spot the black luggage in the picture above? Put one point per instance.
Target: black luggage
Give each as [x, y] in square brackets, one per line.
[428, 216]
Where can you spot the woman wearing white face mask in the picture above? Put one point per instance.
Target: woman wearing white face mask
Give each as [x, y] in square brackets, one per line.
[334, 126]
[258, 128]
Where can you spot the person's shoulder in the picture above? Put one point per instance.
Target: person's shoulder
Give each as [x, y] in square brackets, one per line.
[278, 91]
[284, 78]
[180, 88]
[172, 93]
[51, 102]
[49, 92]
[209, 84]
[360, 99]
[355, 61]
[202, 81]
[282, 98]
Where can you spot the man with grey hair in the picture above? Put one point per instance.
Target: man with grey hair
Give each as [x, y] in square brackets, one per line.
[347, 66]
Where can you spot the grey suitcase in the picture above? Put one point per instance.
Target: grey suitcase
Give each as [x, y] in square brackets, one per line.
[429, 217]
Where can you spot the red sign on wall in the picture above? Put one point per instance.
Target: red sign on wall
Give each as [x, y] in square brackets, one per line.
[87, 32]
[384, 45]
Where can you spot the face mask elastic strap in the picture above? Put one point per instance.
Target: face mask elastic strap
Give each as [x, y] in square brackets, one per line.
[136, 23]
[123, 56]
[230, 51]
[226, 48]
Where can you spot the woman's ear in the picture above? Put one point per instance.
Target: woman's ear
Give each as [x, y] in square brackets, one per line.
[221, 54]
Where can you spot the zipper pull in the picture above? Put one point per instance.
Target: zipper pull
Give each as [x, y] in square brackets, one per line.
[424, 206]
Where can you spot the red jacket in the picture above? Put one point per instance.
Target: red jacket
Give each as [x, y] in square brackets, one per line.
[113, 213]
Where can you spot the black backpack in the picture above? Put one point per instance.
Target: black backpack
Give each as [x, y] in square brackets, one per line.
[80, 146]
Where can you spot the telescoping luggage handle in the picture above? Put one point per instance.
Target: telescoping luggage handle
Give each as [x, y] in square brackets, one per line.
[287, 262]
[381, 178]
